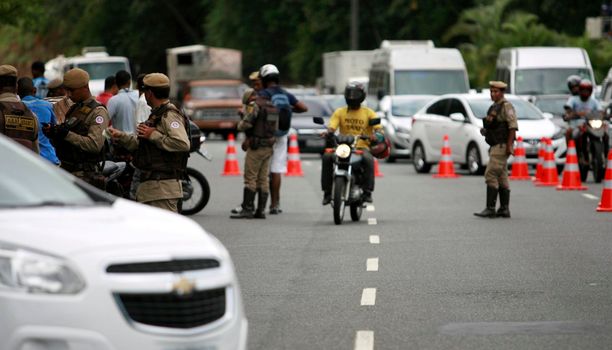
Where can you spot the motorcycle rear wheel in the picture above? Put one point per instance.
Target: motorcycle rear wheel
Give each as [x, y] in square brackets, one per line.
[597, 161]
[356, 210]
[338, 203]
[199, 195]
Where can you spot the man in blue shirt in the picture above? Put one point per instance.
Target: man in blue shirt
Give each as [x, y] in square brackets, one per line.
[39, 80]
[44, 111]
[122, 106]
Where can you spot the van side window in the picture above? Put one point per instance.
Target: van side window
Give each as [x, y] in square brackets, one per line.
[503, 74]
[439, 108]
[456, 107]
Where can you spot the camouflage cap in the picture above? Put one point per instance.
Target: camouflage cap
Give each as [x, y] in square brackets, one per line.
[156, 80]
[7, 70]
[55, 83]
[76, 78]
[498, 84]
[254, 76]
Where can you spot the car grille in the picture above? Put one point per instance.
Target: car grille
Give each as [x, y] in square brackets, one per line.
[174, 311]
[164, 266]
[216, 114]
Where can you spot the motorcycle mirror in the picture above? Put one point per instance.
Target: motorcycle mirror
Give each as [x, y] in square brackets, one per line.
[374, 121]
[318, 120]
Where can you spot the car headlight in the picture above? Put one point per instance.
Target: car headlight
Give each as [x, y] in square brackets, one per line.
[343, 151]
[560, 133]
[32, 272]
[595, 123]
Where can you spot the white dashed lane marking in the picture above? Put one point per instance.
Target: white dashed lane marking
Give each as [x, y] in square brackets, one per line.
[364, 340]
[372, 264]
[372, 221]
[370, 207]
[590, 196]
[374, 239]
[368, 297]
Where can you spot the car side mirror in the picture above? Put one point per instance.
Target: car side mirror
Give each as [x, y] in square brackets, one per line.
[318, 120]
[457, 117]
[374, 121]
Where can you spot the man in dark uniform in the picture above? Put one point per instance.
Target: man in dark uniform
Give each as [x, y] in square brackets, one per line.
[161, 145]
[79, 142]
[259, 124]
[499, 130]
[16, 120]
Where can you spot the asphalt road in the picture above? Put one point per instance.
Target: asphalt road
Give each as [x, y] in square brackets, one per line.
[419, 271]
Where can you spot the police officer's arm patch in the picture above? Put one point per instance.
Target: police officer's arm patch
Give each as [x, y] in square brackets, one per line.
[99, 119]
[175, 125]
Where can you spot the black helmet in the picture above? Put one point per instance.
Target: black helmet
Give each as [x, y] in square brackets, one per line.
[585, 89]
[354, 94]
[572, 83]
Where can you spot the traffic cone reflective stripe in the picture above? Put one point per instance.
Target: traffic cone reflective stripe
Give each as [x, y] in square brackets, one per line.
[294, 164]
[571, 172]
[377, 172]
[520, 171]
[541, 154]
[446, 168]
[549, 168]
[605, 205]
[231, 167]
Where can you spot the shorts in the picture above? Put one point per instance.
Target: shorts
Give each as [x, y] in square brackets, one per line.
[278, 164]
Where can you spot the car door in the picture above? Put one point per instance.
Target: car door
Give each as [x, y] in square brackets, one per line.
[437, 124]
[458, 132]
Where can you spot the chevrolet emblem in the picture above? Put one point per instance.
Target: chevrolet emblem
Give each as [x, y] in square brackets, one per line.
[183, 286]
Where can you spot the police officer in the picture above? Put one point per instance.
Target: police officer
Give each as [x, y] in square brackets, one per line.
[79, 142]
[259, 127]
[16, 120]
[499, 129]
[161, 145]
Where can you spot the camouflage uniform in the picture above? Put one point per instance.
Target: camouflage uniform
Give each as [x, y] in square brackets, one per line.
[496, 174]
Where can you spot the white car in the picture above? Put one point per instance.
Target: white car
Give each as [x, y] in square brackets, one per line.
[80, 269]
[460, 117]
[396, 117]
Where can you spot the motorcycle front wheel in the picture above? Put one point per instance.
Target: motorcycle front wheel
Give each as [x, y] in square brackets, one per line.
[339, 191]
[597, 161]
[196, 193]
[356, 210]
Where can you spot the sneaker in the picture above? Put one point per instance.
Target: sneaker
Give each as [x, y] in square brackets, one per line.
[275, 210]
[326, 199]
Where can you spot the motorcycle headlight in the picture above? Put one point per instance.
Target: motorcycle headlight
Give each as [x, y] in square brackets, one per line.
[343, 151]
[595, 123]
[26, 271]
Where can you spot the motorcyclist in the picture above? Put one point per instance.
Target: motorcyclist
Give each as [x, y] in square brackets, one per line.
[577, 107]
[352, 120]
[573, 81]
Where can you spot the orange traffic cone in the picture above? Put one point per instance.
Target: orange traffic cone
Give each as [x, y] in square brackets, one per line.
[549, 168]
[231, 167]
[571, 172]
[520, 171]
[541, 154]
[377, 172]
[294, 165]
[606, 194]
[446, 168]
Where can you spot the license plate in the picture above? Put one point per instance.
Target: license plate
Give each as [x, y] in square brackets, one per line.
[226, 125]
[531, 151]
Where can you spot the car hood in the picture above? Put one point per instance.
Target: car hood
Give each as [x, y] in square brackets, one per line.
[65, 231]
[535, 129]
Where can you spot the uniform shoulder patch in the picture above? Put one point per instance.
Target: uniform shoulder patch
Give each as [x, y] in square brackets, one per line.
[175, 125]
[99, 119]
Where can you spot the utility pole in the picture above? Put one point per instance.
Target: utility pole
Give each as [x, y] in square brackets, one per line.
[354, 24]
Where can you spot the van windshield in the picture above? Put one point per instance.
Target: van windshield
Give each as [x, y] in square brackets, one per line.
[546, 81]
[430, 82]
[101, 70]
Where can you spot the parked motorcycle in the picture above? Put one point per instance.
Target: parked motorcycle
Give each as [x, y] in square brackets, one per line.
[592, 154]
[348, 174]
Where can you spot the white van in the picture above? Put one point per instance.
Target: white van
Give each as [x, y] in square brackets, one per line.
[416, 68]
[542, 70]
[94, 60]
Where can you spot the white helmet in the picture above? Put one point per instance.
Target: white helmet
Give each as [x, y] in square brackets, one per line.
[268, 69]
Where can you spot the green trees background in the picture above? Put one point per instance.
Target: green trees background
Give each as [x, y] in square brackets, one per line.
[291, 33]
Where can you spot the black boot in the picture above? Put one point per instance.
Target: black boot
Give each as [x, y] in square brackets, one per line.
[262, 198]
[326, 198]
[489, 211]
[504, 201]
[247, 205]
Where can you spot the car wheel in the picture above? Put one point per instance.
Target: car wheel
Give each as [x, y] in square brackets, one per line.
[418, 159]
[474, 161]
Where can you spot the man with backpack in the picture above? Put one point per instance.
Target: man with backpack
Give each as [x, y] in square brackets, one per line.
[285, 103]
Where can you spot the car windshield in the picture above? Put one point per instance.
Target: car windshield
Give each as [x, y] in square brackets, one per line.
[407, 108]
[545, 81]
[28, 182]
[335, 101]
[102, 70]
[219, 92]
[524, 110]
[551, 105]
[430, 82]
[316, 108]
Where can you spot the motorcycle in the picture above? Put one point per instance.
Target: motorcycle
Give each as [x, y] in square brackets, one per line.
[348, 174]
[592, 154]
[118, 173]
